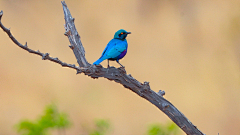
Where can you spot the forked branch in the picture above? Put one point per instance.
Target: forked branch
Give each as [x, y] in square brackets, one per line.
[45, 56]
[118, 75]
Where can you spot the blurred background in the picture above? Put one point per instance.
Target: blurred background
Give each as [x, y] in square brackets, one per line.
[189, 48]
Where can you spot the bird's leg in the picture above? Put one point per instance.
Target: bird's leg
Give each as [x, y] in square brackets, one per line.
[108, 63]
[119, 63]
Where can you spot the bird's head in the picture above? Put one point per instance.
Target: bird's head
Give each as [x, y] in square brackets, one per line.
[121, 34]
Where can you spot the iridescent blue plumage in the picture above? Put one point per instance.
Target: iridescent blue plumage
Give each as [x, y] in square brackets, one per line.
[116, 49]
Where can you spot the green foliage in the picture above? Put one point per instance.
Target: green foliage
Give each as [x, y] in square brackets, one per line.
[51, 119]
[101, 127]
[159, 129]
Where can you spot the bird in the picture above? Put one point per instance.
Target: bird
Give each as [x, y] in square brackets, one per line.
[116, 49]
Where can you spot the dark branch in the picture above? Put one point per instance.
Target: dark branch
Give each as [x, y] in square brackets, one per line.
[116, 74]
[74, 38]
[45, 56]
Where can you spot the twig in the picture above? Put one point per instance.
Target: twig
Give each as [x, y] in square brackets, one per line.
[45, 56]
[116, 74]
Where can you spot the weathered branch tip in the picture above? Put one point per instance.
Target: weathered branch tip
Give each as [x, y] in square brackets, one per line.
[161, 92]
[1, 13]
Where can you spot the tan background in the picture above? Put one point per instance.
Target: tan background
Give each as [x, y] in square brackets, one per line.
[189, 48]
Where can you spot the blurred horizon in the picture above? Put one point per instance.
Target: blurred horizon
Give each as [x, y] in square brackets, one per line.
[188, 48]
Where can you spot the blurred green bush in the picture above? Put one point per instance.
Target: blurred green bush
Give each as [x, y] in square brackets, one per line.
[51, 119]
[167, 129]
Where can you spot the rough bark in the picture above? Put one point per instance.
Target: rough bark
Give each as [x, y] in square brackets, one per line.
[118, 75]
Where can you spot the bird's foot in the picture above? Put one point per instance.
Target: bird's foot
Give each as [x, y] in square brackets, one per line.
[122, 69]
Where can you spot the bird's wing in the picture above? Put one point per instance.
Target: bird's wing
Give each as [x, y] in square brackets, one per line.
[116, 49]
[109, 45]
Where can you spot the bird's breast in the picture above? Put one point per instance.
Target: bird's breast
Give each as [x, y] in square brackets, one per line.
[122, 54]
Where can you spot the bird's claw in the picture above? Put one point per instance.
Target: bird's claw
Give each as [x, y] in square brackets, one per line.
[122, 69]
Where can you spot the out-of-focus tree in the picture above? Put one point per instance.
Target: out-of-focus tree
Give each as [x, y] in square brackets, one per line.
[51, 119]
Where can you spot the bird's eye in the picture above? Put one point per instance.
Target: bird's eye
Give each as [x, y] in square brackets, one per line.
[121, 33]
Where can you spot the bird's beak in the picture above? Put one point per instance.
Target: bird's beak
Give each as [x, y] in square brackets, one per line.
[128, 32]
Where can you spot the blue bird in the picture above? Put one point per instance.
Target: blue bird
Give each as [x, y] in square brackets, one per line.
[116, 49]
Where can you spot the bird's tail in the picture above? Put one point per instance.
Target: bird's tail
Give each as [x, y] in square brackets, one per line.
[98, 61]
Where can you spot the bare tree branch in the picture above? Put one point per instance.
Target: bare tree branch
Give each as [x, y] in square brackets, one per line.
[116, 74]
[74, 39]
[45, 56]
